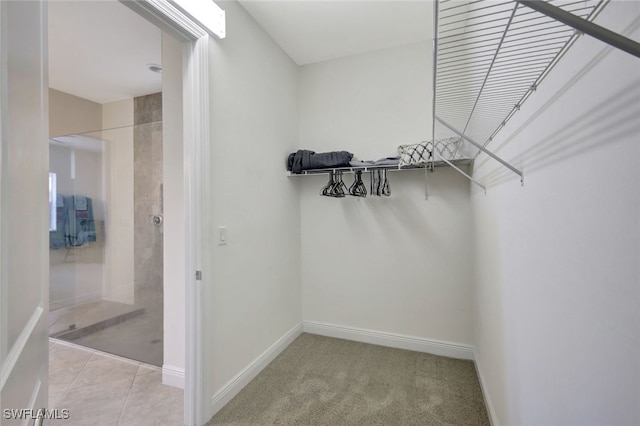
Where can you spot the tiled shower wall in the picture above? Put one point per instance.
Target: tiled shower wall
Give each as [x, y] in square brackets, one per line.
[148, 237]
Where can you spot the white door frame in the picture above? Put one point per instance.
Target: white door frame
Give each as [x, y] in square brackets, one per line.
[196, 139]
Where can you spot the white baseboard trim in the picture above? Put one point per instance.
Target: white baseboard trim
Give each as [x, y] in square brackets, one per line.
[493, 419]
[235, 385]
[418, 344]
[173, 376]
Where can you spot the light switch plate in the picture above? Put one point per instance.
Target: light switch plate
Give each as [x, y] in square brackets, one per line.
[222, 235]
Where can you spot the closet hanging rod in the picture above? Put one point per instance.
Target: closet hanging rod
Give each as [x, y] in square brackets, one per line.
[612, 38]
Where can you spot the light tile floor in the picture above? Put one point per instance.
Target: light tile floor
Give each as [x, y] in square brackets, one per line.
[106, 390]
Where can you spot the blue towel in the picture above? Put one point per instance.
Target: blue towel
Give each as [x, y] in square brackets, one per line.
[59, 200]
[80, 226]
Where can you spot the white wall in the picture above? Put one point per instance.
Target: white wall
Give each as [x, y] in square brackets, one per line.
[367, 104]
[174, 215]
[70, 114]
[252, 284]
[557, 261]
[398, 265]
[119, 271]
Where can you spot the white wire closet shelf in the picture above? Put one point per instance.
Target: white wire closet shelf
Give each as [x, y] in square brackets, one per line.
[489, 57]
[460, 162]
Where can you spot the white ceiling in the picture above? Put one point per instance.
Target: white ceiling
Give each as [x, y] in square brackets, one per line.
[313, 31]
[99, 50]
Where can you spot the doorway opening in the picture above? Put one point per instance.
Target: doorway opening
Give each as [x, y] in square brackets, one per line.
[26, 72]
[106, 162]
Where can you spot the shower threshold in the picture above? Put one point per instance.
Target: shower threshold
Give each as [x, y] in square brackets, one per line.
[78, 321]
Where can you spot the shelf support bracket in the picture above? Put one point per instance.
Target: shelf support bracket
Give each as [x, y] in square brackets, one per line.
[603, 34]
[462, 172]
[481, 148]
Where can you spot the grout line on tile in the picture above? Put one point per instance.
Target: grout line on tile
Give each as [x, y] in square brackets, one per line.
[126, 401]
[77, 375]
[147, 366]
[95, 354]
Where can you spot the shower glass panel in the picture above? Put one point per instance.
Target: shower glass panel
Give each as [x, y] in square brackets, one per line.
[106, 254]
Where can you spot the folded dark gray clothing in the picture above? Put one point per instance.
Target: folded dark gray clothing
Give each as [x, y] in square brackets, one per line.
[307, 160]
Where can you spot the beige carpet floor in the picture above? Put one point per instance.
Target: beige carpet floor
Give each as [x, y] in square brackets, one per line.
[324, 381]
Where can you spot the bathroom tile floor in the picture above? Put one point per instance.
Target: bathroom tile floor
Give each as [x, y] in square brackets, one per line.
[103, 389]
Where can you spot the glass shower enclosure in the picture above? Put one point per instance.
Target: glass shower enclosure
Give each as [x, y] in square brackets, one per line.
[106, 240]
